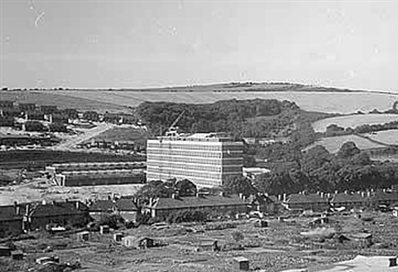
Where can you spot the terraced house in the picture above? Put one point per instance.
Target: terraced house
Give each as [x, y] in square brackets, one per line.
[206, 159]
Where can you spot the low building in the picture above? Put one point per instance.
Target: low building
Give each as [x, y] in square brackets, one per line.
[350, 200]
[263, 203]
[303, 201]
[242, 263]
[123, 207]
[5, 251]
[211, 245]
[48, 109]
[11, 219]
[83, 236]
[100, 177]
[118, 237]
[27, 107]
[38, 215]
[17, 255]
[137, 242]
[253, 172]
[6, 104]
[362, 239]
[162, 207]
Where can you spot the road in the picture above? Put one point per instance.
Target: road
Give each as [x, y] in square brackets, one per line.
[88, 134]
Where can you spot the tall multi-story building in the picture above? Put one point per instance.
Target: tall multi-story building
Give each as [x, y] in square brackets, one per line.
[206, 159]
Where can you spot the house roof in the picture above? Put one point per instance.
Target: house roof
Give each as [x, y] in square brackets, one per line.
[57, 208]
[196, 202]
[385, 196]
[306, 198]
[108, 205]
[343, 197]
[124, 204]
[9, 212]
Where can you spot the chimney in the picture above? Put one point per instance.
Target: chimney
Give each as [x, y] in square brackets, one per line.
[284, 197]
[16, 208]
[27, 208]
[174, 196]
[322, 194]
[43, 202]
[240, 195]
[222, 194]
[336, 192]
[346, 192]
[369, 193]
[77, 205]
[362, 194]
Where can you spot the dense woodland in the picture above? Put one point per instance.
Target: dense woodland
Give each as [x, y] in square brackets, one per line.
[241, 118]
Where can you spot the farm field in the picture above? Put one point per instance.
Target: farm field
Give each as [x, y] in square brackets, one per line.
[123, 133]
[61, 101]
[354, 121]
[387, 136]
[330, 102]
[333, 144]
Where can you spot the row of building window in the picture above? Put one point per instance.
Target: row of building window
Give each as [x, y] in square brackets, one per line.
[198, 160]
[196, 167]
[170, 173]
[195, 153]
[194, 146]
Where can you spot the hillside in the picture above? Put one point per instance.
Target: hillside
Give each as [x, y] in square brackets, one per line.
[309, 98]
[61, 101]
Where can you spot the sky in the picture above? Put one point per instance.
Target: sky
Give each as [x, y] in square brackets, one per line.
[150, 43]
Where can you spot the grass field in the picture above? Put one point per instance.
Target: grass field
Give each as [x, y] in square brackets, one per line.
[387, 136]
[333, 144]
[122, 134]
[354, 121]
[60, 100]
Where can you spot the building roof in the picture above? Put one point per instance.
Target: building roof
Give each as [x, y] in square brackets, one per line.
[345, 197]
[108, 205]
[306, 198]
[385, 196]
[124, 204]
[102, 206]
[57, 208]
[9, 212]
[196, 202]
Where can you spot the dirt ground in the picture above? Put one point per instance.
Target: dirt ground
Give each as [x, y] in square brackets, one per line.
[277, 247]
[39, 190]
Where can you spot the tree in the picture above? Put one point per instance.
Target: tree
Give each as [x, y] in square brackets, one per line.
[237, 236]
[185, 188]
[238, 185]
[347, 150]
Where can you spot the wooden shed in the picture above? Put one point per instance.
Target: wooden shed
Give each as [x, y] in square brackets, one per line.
[118, 237]
[137, 242]
[104, 229]
[5, 250]
[242, 263]
[83, 236]
[17, 255]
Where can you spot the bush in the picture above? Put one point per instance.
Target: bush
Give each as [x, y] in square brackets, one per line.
[237, 236]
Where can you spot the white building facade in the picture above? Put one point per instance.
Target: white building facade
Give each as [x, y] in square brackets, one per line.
[206, 159]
